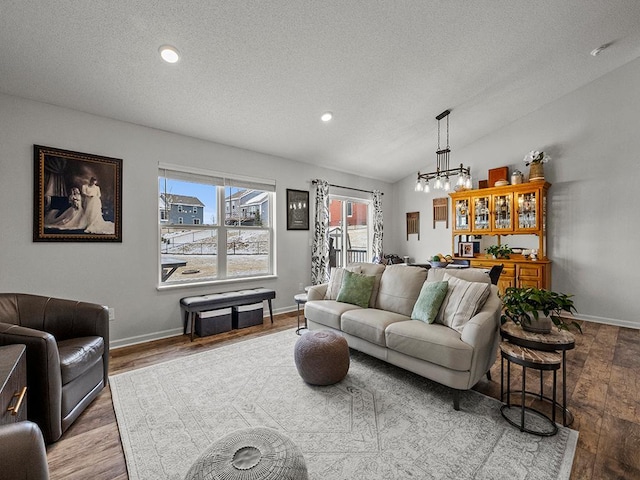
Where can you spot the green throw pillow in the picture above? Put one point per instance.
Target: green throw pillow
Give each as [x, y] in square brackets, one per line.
[431, 296]
[356, 289]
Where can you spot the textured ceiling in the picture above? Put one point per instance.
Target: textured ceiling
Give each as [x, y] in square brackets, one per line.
[258, 74]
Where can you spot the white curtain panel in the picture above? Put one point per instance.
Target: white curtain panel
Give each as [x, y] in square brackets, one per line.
[377, 224]
[320, 251]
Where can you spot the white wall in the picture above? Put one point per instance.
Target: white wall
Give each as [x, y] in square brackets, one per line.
[124, 276]
[594, 213]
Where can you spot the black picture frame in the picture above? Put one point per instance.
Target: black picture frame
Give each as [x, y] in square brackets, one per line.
[297, 209]
[77, 196]
[465, 249]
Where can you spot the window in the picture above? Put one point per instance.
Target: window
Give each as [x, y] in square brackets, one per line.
[350, 231]
[227, 233]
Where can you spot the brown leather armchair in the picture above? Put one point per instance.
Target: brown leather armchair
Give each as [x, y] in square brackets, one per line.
[67, 355]
[22, 452]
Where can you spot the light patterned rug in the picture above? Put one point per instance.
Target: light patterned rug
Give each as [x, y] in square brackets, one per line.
[380, 422]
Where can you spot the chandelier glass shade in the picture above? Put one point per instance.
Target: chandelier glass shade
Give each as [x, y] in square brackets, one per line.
[443, 173]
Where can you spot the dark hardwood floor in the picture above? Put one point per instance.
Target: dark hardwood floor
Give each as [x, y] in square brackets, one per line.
[603, 387]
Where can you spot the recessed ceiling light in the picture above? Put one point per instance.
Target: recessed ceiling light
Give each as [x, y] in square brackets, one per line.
[169, 54]
[326, 116]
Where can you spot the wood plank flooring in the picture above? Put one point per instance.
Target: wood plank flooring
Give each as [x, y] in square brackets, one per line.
[603, 389]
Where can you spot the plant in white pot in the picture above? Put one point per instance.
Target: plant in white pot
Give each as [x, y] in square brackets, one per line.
[537, 310]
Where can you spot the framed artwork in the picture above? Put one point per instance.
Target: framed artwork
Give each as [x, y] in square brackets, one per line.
[77, 197]
[465, 249]
[297, 209]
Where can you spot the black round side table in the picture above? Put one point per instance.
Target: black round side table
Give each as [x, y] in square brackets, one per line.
[538, 360]
[556, 340]
[301, 299]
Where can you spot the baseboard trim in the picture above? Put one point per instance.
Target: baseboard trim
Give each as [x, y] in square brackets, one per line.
[609, 321]
[174, 332]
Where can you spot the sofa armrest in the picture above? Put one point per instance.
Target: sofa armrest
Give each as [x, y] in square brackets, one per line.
[482, 332]
[317, 292]
[22, 452]
[44, 380]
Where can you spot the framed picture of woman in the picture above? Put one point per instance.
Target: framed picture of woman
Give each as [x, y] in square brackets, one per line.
[77, 197]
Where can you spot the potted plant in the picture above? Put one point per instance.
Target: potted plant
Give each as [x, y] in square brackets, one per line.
[499, 251]
[536, 310]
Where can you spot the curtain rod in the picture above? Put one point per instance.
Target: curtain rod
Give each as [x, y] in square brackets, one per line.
[348, 188]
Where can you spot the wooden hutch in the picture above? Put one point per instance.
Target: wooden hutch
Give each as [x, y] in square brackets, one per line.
[509, 210]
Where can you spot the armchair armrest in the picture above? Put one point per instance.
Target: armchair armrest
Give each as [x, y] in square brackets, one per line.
[44, 379]
[22, 452]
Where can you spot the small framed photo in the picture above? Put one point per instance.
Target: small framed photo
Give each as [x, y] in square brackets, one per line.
[297, 209]
[77, 197]
[465, 249]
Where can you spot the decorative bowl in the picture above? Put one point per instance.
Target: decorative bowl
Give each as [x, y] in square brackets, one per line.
[439, 264]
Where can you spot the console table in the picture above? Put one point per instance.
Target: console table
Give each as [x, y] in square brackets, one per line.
[13, 384]
[556, 340]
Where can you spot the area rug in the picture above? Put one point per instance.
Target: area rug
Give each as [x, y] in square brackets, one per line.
[380, 422]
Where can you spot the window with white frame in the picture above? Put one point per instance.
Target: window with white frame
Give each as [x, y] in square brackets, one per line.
[229, 233]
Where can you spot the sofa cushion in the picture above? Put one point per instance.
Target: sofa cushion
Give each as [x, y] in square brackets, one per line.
[428, 304]
[369, 324]
[327, 312]
[77, 355]
[468, 274]
[399, 288]
[431, 342]
[356, 289]
[335, 281]
[462, 301]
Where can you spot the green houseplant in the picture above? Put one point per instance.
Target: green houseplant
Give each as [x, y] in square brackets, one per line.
[499, 251]
[525, 306]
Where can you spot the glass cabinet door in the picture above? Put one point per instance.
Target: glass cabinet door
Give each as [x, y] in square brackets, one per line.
[527, 218]
[462, 215]
[502, 212]
[481, 209]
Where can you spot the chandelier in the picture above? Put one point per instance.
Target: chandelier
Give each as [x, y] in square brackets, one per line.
[443, 172]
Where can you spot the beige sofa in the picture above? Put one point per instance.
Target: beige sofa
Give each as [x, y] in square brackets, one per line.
[457, 358]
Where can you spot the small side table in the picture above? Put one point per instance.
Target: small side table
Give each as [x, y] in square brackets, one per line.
[537, 360]
[301, 299]
[556, 340]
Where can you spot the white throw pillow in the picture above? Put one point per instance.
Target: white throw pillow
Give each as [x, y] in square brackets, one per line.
[464, 299]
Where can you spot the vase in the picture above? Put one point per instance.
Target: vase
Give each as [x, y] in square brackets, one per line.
[542, 324]
[536, 171]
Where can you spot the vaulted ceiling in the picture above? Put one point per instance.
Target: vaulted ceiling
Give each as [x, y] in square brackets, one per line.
[258, 74]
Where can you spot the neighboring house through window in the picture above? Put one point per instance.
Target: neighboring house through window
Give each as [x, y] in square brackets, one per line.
[224, 230]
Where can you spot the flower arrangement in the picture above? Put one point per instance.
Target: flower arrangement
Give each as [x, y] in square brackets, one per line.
[535, 156]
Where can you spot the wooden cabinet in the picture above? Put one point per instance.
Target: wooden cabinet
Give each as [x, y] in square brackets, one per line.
[518, 272]
[13, 384]
[508, 210]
